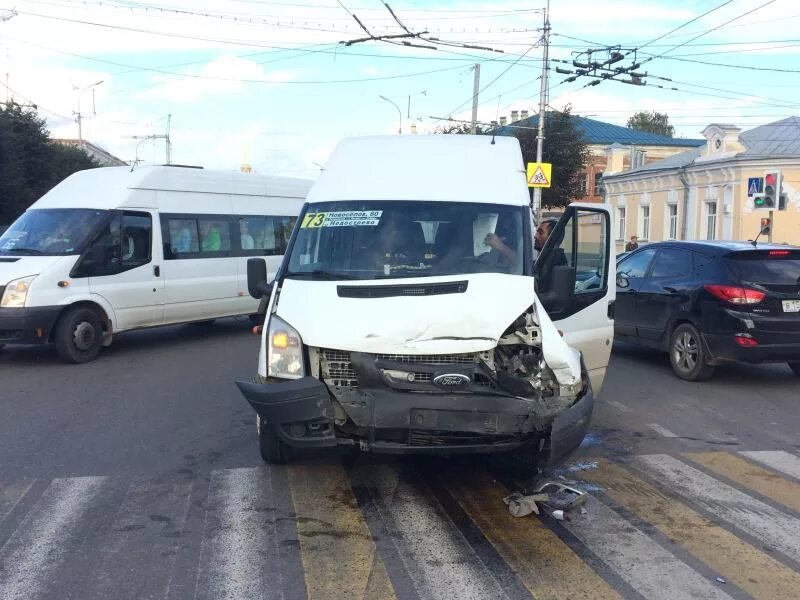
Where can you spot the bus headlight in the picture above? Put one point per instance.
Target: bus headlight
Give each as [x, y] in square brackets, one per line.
[285, 350]
[16, 293]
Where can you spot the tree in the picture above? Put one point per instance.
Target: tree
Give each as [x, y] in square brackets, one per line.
[652, 122]
[564, 148]
[458, 128]
[29, 163]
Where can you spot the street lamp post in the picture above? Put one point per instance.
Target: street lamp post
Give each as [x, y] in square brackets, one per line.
[399, 113]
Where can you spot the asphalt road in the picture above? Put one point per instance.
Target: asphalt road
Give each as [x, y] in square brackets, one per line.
[138, 476]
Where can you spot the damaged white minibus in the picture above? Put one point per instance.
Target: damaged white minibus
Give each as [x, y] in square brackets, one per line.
[409, 315]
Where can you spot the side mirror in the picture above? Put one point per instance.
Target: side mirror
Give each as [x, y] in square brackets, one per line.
[257, 278]
[622, 281]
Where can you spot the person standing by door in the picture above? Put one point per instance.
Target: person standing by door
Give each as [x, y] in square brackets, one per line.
[632, 245]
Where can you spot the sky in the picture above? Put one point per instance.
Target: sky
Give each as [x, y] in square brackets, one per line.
[276, 84]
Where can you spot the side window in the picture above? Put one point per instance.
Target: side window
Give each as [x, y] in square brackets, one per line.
[672, 264]
[124, 243]
[265, 235]
[572, 270]
[636, 265]
[215, 234]
[136, 239]
[590, 252]
[184, 235]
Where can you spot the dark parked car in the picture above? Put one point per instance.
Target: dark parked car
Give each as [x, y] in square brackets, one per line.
[707, 303]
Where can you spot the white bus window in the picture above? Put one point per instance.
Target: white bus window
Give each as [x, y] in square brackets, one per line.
[215, 235]
[184, 236]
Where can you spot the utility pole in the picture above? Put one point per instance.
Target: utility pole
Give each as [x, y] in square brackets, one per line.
[162, 136]
[537, 192]
[399, 113]
[475, 90]
[78, 115]
[4, 19]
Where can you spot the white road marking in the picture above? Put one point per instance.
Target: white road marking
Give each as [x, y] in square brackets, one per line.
[37, 548]
[760, 520]
[645, 565]
[619, 406]
[662, 430]
[779, 460]
[238, 539]
[441, 562]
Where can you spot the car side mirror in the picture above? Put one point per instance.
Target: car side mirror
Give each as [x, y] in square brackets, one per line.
[622, 281]
[257, 284]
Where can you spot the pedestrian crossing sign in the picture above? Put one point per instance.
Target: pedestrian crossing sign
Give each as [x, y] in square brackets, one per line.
[539, 175]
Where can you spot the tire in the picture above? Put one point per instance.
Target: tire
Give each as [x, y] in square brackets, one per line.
[794, 366]
[687, 354]
[79, 335]
[273, 450]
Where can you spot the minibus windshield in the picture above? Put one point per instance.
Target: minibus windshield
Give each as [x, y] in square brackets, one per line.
[397, 239]
[51, 231]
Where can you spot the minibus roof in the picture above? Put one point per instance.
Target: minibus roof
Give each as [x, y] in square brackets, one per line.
[447, 168]
[110, 187]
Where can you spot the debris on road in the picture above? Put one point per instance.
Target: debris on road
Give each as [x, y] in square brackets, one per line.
[558, 515]
[721, 579]
[520, 505]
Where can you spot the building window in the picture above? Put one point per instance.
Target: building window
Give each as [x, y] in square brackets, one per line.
[620, 223]
[598, 183]
[645, 234]
[711, 220]
[672, 221]
[583, 184]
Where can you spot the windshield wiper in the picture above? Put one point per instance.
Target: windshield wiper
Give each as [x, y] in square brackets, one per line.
[28, 250]
[320, 274]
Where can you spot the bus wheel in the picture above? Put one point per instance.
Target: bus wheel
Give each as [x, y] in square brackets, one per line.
[79, 335]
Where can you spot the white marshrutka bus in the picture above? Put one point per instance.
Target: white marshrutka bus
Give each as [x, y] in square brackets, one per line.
[114, 249]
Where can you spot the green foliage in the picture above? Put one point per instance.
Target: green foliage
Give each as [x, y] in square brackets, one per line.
[458, 128]
[29, 163]
[565, 149]
[652, 122]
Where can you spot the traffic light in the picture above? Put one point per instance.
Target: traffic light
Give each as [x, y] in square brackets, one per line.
[765, 225]
[769, 199]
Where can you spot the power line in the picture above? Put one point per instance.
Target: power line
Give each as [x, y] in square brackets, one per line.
[493, 81]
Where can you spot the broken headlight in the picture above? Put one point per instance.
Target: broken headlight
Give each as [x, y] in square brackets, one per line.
[284, 350]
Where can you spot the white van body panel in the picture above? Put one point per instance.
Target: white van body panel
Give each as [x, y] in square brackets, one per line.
[428, 323]
[183, 290]
[424, 167]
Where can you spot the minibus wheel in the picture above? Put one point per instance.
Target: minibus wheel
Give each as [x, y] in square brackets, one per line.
[79, 335]
[273, 450]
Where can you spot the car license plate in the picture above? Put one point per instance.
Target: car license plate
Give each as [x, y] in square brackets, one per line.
[791, 306]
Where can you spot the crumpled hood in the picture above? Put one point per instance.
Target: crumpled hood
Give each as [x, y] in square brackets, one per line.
[22, 266]
[472, 321]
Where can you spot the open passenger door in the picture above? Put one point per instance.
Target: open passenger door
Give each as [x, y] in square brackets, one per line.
[572, 274]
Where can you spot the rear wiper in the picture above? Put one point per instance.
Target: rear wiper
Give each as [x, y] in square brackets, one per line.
[320, 274]
[28, 250]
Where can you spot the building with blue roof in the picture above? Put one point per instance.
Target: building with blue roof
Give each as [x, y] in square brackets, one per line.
[609, 146]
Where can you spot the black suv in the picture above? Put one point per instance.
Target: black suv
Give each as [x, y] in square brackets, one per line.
[711, 302]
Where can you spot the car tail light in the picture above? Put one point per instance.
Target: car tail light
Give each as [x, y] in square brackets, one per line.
[745, 340]
[735, 295]
[779, 253]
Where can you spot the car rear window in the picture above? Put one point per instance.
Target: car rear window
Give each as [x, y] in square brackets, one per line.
[767, 267]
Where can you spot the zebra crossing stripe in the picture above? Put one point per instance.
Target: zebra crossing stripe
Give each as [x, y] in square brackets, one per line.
[731, 557]
[749, 514]
[439, 560]
[781, 461]
[338, 552]
[760, 480]
[546, 565]
[647, 567]
[239, 556]
[33, 554]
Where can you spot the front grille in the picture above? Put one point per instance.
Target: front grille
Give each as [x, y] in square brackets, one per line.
[337, 368]
[430, 359]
